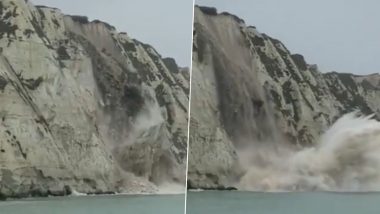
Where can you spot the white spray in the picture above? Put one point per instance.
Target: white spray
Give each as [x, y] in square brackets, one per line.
[347, 158]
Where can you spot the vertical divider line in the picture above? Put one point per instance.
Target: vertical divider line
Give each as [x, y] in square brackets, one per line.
[189, 108]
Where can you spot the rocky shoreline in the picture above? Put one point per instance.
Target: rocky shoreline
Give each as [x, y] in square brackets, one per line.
[38, 193]
[191, 186]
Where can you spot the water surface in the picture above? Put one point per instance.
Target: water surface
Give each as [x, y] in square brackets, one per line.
[143, 204]
[234, 202]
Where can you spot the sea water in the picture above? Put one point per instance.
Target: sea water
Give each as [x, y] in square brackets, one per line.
[237, 202]
[119, 204]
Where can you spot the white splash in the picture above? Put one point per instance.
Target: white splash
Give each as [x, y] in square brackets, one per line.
[76, 193]
[171, 189]
[347, 158]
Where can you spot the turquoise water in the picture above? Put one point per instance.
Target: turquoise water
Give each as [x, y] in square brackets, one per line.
[162, 204]
[210, 202]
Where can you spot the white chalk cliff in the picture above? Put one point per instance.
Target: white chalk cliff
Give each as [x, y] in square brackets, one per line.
[85, 108]
[247, 87]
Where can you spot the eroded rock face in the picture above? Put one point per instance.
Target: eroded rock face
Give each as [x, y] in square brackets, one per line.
[247, 87]
[84, 107]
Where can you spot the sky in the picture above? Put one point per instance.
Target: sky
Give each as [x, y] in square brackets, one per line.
[337, 35]
[164, 24]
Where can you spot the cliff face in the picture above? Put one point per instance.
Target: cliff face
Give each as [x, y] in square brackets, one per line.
[84, 107]
[248, 88]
